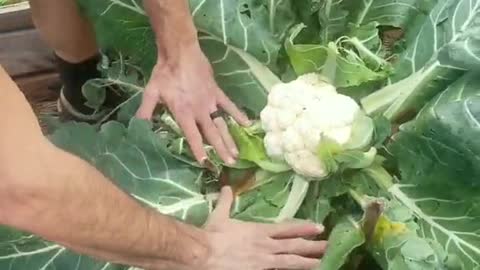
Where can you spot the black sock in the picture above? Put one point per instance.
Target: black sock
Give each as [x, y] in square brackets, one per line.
[74, 76]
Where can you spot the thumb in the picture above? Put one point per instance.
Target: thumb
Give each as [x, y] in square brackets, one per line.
[224, 204]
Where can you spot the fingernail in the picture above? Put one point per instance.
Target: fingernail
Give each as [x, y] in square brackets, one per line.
[234, 152]
[230, 161]
[320, 227]
[246, 120]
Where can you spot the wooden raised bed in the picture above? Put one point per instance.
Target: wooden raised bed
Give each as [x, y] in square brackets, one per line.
[24, 55]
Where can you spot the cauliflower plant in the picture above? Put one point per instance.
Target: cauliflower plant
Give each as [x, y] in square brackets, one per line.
[303, 114]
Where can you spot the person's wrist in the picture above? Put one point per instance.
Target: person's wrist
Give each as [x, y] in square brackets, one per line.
[201, 257]
[171, 57]
[198, 250]
[174, 36]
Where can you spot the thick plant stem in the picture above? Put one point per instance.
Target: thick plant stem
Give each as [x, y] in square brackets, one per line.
[383, 179]
[329, 71]
[379, 101]
[358, 198]
[407, 96]
[295, 199]
[380, 62]
[262, 73]
[168, 120]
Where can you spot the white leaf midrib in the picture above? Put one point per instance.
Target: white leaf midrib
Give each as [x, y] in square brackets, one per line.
[405, 200]
[455, 34]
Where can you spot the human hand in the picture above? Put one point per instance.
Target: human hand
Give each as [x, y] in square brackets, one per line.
[187, 87]
[237, 245]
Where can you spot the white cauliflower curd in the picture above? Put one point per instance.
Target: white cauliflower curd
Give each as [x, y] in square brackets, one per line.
[299, 114]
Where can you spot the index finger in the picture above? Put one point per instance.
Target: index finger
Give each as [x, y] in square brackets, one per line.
[292, 230]
[226, 104]
[187, 123]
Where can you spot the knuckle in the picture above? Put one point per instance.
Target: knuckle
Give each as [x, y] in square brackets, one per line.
[181, 107]
[269, 261]
[299, 262]
[214, 226]
[151, 92]
[287, 260]
[268, 245]
[322, 246]
[292, 244]
[223, 98]
[149, 96]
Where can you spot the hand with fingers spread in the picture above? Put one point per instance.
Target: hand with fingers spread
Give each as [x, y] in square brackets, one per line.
[251, 246]
[191, 94]
[183, 80]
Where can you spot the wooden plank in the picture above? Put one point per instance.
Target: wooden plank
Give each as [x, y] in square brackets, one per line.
[23, 52]
[15, 17]
[40, 87]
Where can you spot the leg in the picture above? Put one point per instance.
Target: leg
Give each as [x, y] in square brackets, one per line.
[72, 38]
[63, 28]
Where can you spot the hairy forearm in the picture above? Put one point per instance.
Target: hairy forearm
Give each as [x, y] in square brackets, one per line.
[62, 198]
[95, 215]
[173, 26]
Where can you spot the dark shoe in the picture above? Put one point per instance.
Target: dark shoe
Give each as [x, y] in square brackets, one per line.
[69, 112]
[71, 103]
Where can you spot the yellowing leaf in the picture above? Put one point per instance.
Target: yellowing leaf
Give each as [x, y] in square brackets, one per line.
[386, 228]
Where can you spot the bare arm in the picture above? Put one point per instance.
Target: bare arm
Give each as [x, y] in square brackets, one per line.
[72, 203]
[183, 80]
[175, 31]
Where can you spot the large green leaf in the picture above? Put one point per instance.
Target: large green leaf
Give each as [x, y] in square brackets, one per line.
[244, 79]
[351, 70]
[272, 198]
[35, 254]
[256, 27]
[441, 51]
[355, 26]
[368, 17]
[345, 237]
[438, 156]
[136, 159]
[397, 245]
[397, 13]
[333, 18]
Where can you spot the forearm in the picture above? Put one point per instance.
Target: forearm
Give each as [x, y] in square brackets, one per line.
[173, 26]
[61, 198]
[95, 215]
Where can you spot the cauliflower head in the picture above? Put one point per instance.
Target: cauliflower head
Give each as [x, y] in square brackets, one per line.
[298, 118]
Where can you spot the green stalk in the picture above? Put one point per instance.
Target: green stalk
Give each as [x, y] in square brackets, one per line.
[381, 177]
[379, 101]
[262, 73]
[410, 94]
[297, 195]
[329, 71]
[168, 120]
[380, 62]
[358, 198]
